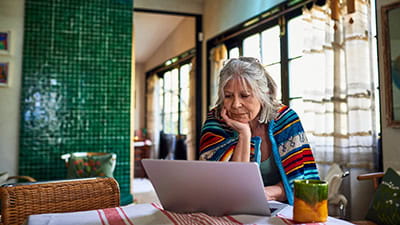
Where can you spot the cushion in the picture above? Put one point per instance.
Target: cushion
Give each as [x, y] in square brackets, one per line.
[385, 206]
[3, 177]
[91, 166]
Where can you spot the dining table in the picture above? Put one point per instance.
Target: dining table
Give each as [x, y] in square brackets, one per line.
[154, 214]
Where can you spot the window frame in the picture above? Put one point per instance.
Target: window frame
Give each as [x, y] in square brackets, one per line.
[286, 11]
[234, 37]
[168, 66]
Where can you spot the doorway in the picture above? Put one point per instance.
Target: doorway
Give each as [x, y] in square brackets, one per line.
[158, 37]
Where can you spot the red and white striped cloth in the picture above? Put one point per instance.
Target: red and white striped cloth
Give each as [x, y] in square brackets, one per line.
[154, 214]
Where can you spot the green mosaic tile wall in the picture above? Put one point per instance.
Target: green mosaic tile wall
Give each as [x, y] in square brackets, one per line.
[76, 84]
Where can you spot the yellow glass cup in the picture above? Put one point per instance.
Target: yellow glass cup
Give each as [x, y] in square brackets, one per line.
[310, 201]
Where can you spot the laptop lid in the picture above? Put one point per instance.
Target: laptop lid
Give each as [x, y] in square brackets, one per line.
[214, 188]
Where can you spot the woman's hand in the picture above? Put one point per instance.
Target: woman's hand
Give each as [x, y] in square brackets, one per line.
[241, 128]
[275, 192]
[242, 149]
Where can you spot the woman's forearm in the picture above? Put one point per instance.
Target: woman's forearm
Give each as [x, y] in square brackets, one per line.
[242, 150]
[275, 192]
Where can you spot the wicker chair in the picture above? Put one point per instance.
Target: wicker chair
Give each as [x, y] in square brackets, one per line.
[4, 177]
[20, 200]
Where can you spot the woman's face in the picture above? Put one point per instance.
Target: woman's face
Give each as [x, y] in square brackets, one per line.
[240, 102]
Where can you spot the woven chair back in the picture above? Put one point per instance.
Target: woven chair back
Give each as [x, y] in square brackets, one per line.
[20, 200]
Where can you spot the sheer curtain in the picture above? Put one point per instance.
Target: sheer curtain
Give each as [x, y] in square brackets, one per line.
[339, 105]
[153, 112]
[191, 136]
[217, 57]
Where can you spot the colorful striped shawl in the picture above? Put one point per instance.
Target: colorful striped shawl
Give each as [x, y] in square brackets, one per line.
[290, 147]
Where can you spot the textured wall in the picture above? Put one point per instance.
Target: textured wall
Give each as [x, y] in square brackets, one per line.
[76, 84]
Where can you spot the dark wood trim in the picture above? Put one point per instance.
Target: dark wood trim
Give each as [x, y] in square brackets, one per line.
[387, 70]
[284, 63]
[183, 58]
[379, 154]
[208, 74]
[165, 12]
[199, 80]
[243, 28]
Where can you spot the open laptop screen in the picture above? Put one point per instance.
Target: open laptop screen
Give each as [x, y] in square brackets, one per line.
[214, 188]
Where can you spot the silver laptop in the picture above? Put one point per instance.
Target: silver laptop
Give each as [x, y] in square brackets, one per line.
[214, 188]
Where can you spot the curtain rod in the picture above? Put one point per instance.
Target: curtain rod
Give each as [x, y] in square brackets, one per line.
[266, 20]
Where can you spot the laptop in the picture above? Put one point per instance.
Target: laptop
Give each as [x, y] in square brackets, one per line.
[214, 188]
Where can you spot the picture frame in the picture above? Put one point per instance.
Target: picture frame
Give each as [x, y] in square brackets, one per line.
[390, 15]
[5, 45]
[4, 73]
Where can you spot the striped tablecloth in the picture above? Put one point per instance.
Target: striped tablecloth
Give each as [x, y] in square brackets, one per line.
[153, 214]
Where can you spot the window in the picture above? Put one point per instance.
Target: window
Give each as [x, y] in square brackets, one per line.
[264, 43]
[271, 54]
[297, 83]
[234, 52]
[174, 99]
[251, 46]
[279, 42]
[324, 70]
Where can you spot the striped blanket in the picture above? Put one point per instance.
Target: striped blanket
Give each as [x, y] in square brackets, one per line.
[290, 147]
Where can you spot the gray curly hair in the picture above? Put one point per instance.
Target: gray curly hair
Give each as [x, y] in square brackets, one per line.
[249, 70]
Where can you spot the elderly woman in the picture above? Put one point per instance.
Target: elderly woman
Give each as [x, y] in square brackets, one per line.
[249, 124]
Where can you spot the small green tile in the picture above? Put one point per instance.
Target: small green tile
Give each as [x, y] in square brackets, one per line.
[82, 55]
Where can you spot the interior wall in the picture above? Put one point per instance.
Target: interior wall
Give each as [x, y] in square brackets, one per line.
[390, 136]
[230, 13]
[11, 19]
[180, 40]
[140, 94]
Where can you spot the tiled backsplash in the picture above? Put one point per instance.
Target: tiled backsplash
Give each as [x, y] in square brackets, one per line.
[76, 84]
